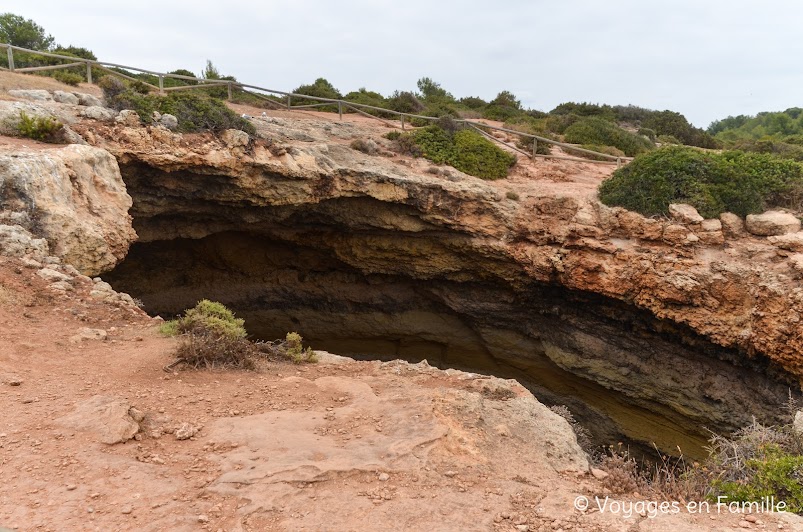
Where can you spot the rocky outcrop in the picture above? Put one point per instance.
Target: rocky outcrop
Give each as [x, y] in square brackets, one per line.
[107, 419]
[71, 196]
[772, 223]
[592, 306]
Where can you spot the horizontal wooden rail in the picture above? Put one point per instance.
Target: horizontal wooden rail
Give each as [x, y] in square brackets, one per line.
[358, 107]
[50, 67]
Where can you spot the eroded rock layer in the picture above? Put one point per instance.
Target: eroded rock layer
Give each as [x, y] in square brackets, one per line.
[652, 329]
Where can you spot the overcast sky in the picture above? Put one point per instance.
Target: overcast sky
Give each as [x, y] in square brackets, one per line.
[704, 58]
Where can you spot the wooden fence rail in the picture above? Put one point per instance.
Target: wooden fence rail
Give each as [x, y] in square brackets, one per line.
[356, 107]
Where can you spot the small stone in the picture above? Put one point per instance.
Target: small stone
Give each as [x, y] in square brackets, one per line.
[71, 487]
[14, 381]
[772, 223]
[750, 518]
[684, 213]
[599, 474]
[384, 477]
[185, 431]
[744, 524]
[126, 510]
[450, 474]
[203, 518]
[523, 528]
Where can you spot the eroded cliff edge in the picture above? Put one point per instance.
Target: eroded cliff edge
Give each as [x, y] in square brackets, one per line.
[651, 329]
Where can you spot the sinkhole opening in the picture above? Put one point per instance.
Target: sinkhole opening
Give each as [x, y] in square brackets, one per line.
[625, 375]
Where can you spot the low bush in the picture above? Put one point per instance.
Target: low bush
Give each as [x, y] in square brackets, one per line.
[738, 182]
[211, 336]
[41, 128]
[600, 132]
[195, 111]
[459, 147]
[70, 78]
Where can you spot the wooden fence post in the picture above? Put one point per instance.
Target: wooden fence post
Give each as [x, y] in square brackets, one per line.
[340, 109]
[288, 102]
[161, 84]
[535, 148]
[229, 89]
[10, 58]
[402, 121]
[88, 72]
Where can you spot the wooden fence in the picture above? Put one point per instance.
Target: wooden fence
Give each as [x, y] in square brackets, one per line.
[403, 119]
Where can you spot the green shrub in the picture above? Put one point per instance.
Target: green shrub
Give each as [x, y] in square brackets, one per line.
[585, 109]
[198, 112]
[209, 317]
[669, 139]
[649, 133]
[738, 182]
[559, 123]
[211, 337]
[772, 472]
[321, 88]
[392, 135]
[405, 102]
[41, 128]
[294, 349]
[195, 111]
[70, 78]
[459, 147]
[600, 132]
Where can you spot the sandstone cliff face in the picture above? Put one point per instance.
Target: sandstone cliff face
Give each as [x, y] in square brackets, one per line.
[73, 197]
[652, 328]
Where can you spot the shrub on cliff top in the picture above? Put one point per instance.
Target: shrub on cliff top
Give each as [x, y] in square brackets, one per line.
[738, 182]
[600, 132]
[195, 111]
[459, 147]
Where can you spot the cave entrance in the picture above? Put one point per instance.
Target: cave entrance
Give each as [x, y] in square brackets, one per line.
[625, 375]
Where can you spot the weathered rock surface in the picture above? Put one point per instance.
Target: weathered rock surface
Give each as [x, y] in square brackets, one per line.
[37, 95]
[365, 255]
[684, 213]
[65, 97]
[772, 223]
[16, 241]
[732, 225]
[106, 418]
[71, 196]
[789, 241]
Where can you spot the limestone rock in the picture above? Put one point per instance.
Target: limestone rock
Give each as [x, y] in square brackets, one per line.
[678, 235]
[186, 431]
[234, 138]
[77, 198]
[732, 225]
[711, 225]
[85, 333]
[37, 95]
[97, 112]
[51, 275]
[797, 425]
[169, 121]
[772, 223]
[16, 241]
[129, 118]
[88, 99]
[107, 418]
[796, 262]
[65, 97]
[789, 241]
[684, 213]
